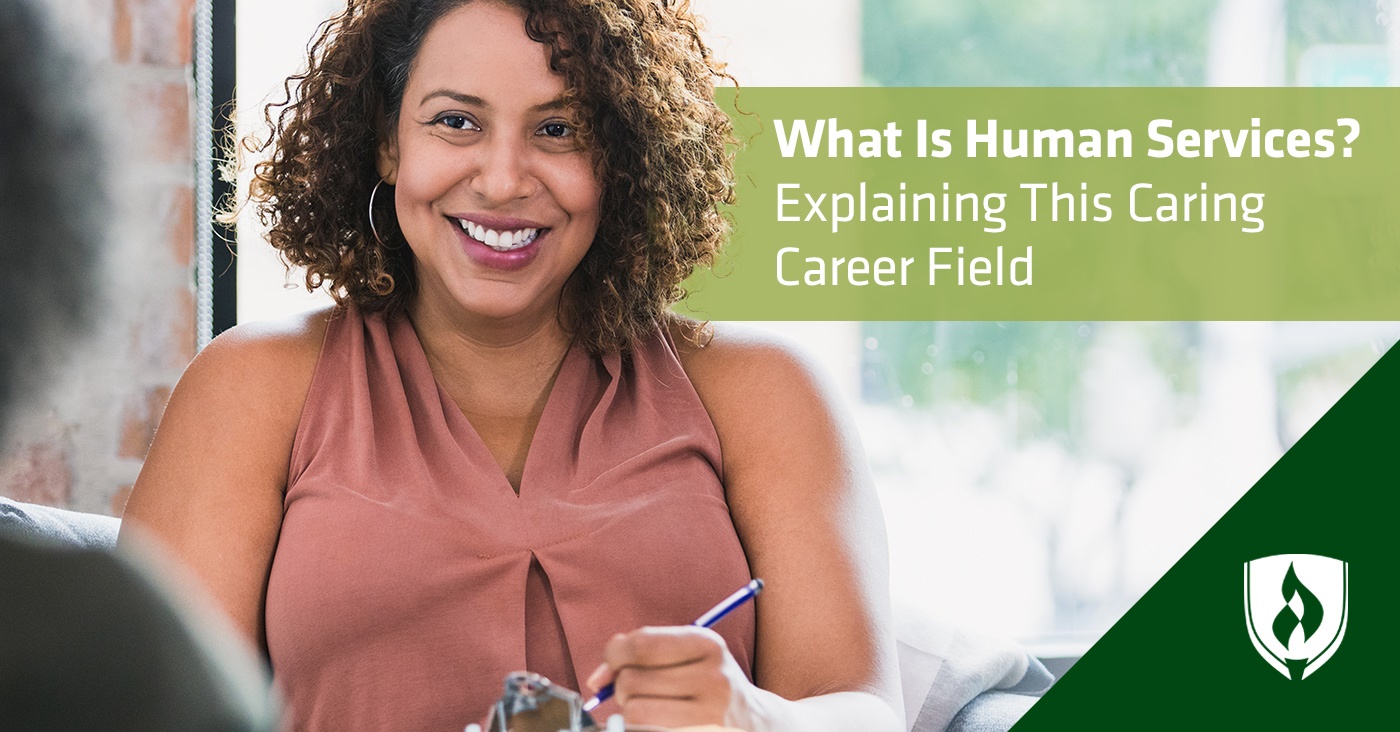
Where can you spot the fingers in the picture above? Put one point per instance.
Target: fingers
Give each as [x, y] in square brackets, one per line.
[670, 713]
[601, 676]
[675, 696]
[659, 647]
[673, 676]
[694, 682]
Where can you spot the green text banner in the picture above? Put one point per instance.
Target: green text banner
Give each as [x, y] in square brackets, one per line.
[1060, 204]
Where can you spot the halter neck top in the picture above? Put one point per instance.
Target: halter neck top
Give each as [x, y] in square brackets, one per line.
[410, 577]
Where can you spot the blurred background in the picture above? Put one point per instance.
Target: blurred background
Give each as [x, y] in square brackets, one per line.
[1037, 478]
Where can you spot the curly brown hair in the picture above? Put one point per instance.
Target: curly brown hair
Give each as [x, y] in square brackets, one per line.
[640, 87]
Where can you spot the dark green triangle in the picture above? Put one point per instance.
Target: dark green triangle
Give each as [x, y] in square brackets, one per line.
[1181, 658]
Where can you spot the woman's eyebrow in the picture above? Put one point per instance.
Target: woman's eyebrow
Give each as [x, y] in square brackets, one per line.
[552, 105]
[456, 97]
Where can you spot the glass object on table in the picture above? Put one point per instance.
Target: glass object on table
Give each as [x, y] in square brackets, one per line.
[531, 703]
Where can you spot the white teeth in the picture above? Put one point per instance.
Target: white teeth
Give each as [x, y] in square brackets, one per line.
[501, 241]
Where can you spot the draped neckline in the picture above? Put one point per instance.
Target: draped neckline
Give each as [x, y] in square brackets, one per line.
[567, 378]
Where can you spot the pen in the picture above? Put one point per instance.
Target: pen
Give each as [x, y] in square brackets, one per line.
[726, 606]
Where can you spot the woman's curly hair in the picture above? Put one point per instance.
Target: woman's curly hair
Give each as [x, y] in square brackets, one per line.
[640, 86]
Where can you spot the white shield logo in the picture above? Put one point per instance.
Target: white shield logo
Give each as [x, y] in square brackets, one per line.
[1295, 607]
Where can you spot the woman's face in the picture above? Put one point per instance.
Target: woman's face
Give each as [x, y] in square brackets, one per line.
[494, 195]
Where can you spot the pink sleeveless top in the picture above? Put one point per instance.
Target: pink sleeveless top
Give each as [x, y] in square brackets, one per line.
[410, 578]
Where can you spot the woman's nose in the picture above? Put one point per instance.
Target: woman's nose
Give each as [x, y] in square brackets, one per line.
[504, 174]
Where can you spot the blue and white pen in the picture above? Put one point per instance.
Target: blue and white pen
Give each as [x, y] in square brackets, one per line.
[743, 595]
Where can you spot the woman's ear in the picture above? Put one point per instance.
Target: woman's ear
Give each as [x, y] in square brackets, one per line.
[388, 160]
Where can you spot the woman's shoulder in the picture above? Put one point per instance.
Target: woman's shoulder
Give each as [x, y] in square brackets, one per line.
[285, 345]
[295, 337]
[737, 356]
[265, 364]
[755, 384]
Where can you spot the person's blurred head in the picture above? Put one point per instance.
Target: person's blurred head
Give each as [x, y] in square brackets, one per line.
[51, 203]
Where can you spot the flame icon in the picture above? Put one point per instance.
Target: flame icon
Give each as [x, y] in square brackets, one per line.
[1286, 620]
[1301, 636]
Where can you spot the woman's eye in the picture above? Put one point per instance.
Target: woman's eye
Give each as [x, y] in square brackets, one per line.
[456, 122]
[556, 129]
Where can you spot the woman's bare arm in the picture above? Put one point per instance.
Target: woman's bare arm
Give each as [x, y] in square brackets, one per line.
[212, 485]
[804, 505]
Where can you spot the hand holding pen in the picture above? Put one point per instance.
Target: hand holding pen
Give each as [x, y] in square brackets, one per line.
[744, 594]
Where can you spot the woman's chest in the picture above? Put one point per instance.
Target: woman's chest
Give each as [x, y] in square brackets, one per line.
[648, 541]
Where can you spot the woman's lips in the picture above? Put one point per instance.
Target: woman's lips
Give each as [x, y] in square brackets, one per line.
[507, 260]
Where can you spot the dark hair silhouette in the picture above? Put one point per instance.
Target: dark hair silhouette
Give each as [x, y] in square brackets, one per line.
[51, 202]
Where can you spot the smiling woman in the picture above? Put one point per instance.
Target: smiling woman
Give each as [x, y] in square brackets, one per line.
[633, 76]
[485, 144]
[500, 451]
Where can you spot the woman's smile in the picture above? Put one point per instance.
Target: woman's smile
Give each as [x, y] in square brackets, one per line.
[499, 242]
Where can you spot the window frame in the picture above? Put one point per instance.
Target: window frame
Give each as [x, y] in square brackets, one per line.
[216, 244]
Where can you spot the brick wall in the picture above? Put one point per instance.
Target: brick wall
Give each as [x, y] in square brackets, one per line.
[80, 446]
